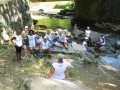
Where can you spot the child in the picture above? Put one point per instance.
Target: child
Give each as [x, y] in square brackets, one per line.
[18, 44]
[32, 43]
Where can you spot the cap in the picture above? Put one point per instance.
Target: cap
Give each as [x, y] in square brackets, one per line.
[88, 27]
[26, 26]
[86, 38]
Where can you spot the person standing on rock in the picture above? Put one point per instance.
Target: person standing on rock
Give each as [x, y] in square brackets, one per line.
[25, 33]
[87, 32]
[18, 42]
[59, 69]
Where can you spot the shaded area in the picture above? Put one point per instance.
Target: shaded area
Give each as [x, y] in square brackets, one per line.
[14, 14]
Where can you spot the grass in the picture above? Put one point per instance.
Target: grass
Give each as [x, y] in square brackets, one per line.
[64, 6]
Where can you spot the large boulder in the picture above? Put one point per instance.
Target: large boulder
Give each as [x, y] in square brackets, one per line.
[39, 83]
[95, 36]
[77, 32]
[103, 49]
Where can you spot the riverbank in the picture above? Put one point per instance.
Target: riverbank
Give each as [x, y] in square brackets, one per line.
[13, 72]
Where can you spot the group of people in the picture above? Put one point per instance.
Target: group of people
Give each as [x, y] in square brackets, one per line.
[31, 40]
[89, 46]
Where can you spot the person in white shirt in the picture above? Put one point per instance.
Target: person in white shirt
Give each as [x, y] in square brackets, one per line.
[49, 36]
[87, 32]
[45, 47]
[38, 40]
[18, 42]
[59, 69]
[102, 40]
[32, 42]
[86, 48]
[63, 40]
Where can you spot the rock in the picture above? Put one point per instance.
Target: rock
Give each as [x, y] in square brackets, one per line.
[1, 86]
[95, 36]
[99, 25]
[39, 83]
[77, 32]
[118, 42]
[112, 49]
[103, 49]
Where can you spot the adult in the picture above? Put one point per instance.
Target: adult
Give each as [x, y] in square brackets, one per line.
[45, 47]
[49, 36]
[87, 32]
[63, 40]
[18, 42]
[25, 33]
[32, 43]
[88, 49]
[102, 40]
[38, 40]
[59, 69]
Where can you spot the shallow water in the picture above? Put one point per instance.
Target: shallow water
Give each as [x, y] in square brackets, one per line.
[54, 22]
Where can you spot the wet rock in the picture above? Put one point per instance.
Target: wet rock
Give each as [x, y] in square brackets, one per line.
[103, 49]
[118, 42]
[39, 83]
[109, 52]
[95, 36]
[99, 25]
[77, 32]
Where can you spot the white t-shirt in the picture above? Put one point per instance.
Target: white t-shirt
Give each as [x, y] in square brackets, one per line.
[32, 40]
[59, 72]
[18, 40]
[39, 40]
[50, 37]
[87, 33]
[102, 41]
[62, 38]
[84, 45]
[45, 45]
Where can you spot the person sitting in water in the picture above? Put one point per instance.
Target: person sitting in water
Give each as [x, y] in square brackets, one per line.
[45, 47]
[59, 69]
[102, 42]
[87, 32]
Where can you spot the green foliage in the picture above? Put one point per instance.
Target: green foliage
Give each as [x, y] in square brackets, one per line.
[64, 6]
[71, 73]
[2, 25]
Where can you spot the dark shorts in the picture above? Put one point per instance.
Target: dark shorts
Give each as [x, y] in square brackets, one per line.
[25, 42]
[89, 50]
[18, 49]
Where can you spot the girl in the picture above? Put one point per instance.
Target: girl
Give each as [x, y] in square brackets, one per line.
[32, 43]
[18, 44]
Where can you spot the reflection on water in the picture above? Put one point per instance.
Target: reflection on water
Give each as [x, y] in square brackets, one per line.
[54, 22]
